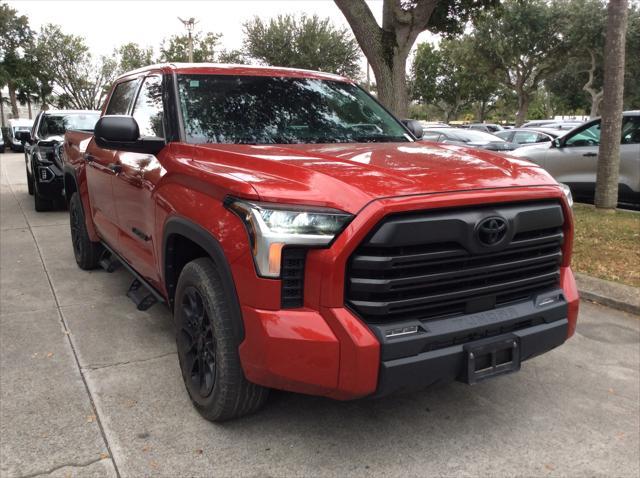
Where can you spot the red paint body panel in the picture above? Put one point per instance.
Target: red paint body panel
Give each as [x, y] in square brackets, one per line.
[322, 348]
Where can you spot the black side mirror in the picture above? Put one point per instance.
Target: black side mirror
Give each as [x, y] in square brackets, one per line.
[122, 133]
[556, 143]
[414, 126]
[24, 136]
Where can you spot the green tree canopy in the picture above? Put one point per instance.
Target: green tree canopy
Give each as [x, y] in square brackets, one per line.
[132, 56]
[452, 77]
[387, 46]
[176, 48]
[80, 81]
[15, 37]
[305, 42]
[523, 43]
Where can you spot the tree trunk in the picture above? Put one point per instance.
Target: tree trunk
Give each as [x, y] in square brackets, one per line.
[14, 101]
[595, 105]
[523, 108]
[596, 95]
[29, 106]
[613, 88]
[481, 111]
[392, 85]
[388, 47]
[1, 108]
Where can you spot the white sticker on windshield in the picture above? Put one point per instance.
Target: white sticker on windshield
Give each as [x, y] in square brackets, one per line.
[194, 83]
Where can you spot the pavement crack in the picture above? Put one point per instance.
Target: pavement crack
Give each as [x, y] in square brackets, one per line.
[64, 465]
[127, 362]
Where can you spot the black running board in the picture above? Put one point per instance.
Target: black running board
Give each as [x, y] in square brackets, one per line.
[143, 294]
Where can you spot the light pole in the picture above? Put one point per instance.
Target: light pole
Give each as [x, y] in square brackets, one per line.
[189, 24]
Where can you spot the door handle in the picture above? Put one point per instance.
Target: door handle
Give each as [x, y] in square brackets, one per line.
[115, 167]
[590, 155]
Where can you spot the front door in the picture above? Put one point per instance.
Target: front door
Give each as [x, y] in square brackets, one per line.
[135, 183]
[102, 167]
[575, 163]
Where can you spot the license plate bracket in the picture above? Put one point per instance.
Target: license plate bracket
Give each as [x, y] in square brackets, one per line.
[491, 357]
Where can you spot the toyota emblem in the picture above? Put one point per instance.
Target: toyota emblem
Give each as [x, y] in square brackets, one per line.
[491, 231]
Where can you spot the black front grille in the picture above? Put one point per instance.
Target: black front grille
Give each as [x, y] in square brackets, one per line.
[429, 265]
[292, 277]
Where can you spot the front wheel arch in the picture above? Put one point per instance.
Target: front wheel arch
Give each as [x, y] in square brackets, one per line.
[179, 228]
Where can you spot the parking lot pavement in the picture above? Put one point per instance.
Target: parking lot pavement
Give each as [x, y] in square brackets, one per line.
[91, 387]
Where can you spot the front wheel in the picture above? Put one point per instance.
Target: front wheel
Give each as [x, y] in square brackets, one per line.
[86, 252]
[208, 346]
[40, 203]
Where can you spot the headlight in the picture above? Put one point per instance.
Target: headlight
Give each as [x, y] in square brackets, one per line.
[567, 193]
[273, 226]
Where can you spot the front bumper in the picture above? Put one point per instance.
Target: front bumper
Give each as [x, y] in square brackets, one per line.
[326, 349]
[49, 181]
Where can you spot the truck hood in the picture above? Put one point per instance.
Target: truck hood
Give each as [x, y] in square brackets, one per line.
[348, 176]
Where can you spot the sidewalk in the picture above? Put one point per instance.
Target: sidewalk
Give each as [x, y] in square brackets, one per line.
[611, 294]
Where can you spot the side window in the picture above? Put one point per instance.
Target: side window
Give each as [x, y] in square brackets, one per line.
[122, 97]
[631, 130]
[524, 137]
[148, 109]
[586, 137]
[542, 138]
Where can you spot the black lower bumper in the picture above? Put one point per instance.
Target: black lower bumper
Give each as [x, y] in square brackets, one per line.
[439, 351]
[49, 181]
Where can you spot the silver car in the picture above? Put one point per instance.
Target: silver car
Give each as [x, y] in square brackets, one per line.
[573, 158]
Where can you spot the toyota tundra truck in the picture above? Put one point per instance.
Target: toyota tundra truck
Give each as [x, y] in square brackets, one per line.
[305, 241]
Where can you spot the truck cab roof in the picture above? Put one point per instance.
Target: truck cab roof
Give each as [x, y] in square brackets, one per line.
[233, 69]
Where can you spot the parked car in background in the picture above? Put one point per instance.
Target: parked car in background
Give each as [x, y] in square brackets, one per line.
[433, 124]
[527, 136]
[573, 158]
[1, 143]
[43, 163]
[15, 127]
[467, 137]
[486, 127]
[552, 123]
[565, 125]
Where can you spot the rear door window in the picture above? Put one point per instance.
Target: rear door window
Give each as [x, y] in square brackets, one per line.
[122, 97]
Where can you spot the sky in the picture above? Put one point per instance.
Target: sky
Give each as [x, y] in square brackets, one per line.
[108, 24]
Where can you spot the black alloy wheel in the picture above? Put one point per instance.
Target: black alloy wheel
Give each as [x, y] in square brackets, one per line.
[198, 344]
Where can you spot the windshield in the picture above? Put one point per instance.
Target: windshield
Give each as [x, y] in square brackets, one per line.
[56, 125]
[280, 110]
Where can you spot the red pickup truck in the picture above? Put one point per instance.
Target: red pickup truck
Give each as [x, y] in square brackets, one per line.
[306, 241]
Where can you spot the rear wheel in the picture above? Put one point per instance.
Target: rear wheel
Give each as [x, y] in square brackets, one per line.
[86, 252]
[208, 346]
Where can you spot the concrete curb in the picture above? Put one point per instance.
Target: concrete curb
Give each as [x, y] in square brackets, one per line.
[611, 294]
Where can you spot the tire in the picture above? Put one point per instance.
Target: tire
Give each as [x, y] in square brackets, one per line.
[208, 346]
[86, 252]
[29, 181]
[40, 203]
